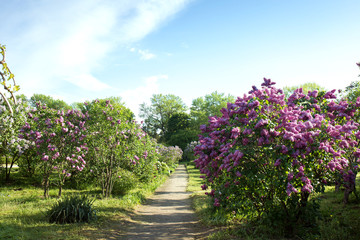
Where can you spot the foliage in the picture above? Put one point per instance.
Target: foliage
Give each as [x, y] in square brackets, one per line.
[265, 154]
[306, 87]
[180, 131]
[117, 142]
[11, 146]
[48, 101]
[11, 117]
[59, 140]
[7, 76]
[338, 221]
[72, 209]
[352, 92]
[209, 105]
[189, 154]
[170, 155]
[125, 182]
[157, 115]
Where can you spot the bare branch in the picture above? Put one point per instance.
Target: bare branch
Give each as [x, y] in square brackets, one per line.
[3, 76]
[7, 103]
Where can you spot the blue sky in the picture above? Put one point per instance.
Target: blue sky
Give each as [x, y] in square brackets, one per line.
[87, 49]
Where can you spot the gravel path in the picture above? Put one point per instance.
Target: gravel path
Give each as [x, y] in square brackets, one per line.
[167, 214]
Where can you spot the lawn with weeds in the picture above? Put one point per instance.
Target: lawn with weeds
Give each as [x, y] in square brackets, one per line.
[23, 212]
[338, 221]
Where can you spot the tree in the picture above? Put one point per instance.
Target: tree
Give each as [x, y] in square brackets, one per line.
[7, 76]
[180, 131]
[157, 115]
[352, 92]
[24, 99]
[11, 146]
[306, 87]
[12, 117]
[210, 105]
[49, 102]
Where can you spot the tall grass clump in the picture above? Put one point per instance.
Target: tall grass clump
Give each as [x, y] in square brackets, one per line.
[72, 209]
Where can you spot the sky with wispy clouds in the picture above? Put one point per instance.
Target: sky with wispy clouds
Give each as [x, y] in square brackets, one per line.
[87, 49]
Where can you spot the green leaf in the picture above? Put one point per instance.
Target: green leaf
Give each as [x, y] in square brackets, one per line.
[16, 88]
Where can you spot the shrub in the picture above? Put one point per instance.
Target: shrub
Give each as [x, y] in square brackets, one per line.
[162, 168]
[189, 151]
[170, 155]
[265, 154]
[125, 182]
[72, 209]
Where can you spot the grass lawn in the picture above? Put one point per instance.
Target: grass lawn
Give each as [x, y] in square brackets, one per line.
[338, 221]
[23, 212]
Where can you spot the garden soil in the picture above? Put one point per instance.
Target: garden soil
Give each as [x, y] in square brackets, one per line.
[167, 214]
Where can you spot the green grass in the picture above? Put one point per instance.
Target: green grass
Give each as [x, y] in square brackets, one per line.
[23, 212]
[339, 221]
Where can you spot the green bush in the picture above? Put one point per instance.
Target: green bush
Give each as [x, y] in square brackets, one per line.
[125, 181]
[162, 168]
[72, 209]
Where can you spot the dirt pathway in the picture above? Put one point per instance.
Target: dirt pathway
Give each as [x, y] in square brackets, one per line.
[167, 214]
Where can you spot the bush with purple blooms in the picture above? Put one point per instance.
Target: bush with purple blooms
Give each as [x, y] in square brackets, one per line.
[58, 138]
[117, 144]
[170, 155]
[265, 157]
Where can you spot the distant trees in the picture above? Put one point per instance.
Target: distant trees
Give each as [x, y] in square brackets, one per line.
[49, 101]
[352, 92]
[209, 105]
[306, 87]
[168, 118]
[157, 115]
[180, 130]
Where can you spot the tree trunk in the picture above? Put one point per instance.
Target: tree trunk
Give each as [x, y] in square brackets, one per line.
[60, 189]
[348, 191]
[8, 169]
[46, 187]
[337, 186]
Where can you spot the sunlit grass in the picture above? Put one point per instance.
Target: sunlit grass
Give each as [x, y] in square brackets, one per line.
[23, 212]
[201, 203]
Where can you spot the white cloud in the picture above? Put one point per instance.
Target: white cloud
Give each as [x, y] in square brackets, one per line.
[133, 98]
[144, 54]
[148, 16]
[68, 41]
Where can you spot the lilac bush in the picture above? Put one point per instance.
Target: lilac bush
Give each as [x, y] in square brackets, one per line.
[170, 155]
[264, 153]
[59, 140]
[117, 143]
